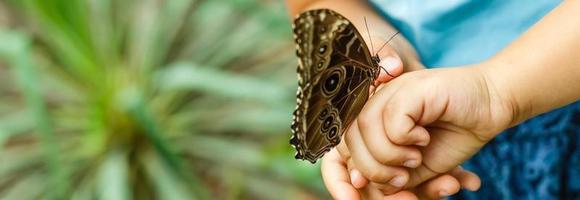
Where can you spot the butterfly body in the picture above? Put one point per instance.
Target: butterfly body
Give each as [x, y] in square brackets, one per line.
[335, 73]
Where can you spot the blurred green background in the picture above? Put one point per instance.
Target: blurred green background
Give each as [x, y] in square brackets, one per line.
[148, 99]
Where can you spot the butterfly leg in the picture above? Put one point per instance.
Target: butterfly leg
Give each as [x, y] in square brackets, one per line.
[382, 68]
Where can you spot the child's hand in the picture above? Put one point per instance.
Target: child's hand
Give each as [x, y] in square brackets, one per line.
[452, 112]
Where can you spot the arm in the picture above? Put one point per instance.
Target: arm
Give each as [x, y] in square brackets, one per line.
[541, 70]
[463, 108]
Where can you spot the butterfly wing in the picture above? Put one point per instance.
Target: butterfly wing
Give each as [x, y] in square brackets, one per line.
[335, 72]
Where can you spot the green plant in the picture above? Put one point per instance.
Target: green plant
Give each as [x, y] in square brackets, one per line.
[148, 99]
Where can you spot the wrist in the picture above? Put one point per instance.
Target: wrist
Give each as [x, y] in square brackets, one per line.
[504, 108]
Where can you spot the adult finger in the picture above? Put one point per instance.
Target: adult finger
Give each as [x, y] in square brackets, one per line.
[371, 192]
[448, 184]
[357, 180]
[336, 177]
[375, 191]
[445, 185]
[389, 67]
[343, 149]
[402, 195]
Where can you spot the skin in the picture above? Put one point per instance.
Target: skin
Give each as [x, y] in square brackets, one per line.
[450, 114]
[341, 178]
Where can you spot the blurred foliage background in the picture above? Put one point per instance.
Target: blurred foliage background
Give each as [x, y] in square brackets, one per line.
[148, 99]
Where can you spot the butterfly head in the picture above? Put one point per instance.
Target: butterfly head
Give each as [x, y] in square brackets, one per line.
[376, 59]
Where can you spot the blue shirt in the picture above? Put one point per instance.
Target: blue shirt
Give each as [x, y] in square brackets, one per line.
[538, 159]
[459, 32]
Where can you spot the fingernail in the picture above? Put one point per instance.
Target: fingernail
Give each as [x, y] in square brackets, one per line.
[423, 143]
[356, 179]
[411, 163]
[353, 176]
[390, 64]
[443, 194]
[398, 181]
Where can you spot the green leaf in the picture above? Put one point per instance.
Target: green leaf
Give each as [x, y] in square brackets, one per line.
[114, 177]
[19, 57]
[167, 185]
[224, 151]
[189, 76]
[179, 99]
[15, 123]
[65, 31]
[135, 103]
[30, 186]
[16, 159]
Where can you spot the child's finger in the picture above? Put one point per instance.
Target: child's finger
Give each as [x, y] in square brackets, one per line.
[381, 148]
[372, 130]
[336, 177]
[380, 110]
[439, 187]
[402, 115]
[468, 180]
[368, 166]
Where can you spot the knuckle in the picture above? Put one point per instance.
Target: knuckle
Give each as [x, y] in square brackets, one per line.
[387, 157]
[399, 137]
[395, 133]
[364, 120]
[416, 178]
[343, 153]
[390, 108]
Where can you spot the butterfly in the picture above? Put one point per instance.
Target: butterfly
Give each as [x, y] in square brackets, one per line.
[335, 73]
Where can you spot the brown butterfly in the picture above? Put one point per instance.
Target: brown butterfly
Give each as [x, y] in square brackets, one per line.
[335, 73]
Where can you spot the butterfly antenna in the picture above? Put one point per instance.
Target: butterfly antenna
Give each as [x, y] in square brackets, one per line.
[369, 34]
[393, 36]
[385, 44]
